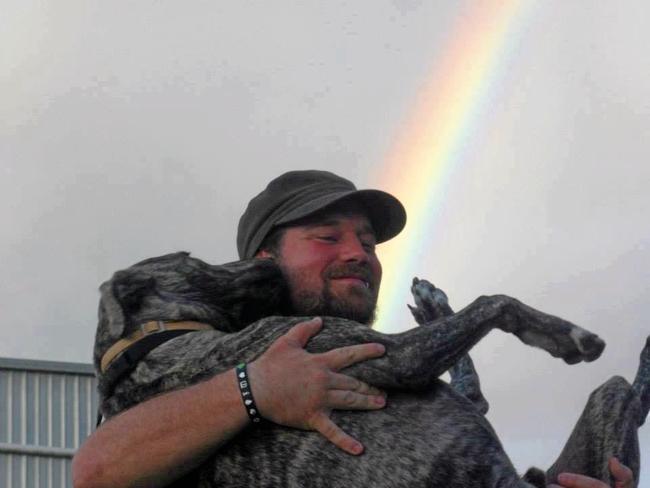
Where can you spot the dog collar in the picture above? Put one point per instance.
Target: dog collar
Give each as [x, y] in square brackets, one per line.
[147, 329]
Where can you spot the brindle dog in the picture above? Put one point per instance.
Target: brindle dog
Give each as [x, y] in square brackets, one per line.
[430, 434]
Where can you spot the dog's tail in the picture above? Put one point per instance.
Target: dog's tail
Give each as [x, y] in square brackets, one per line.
[535, 477]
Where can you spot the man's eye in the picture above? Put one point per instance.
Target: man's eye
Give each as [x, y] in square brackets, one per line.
[328, 238]
[368, 246]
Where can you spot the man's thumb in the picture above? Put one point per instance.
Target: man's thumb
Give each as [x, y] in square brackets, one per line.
[622, 474]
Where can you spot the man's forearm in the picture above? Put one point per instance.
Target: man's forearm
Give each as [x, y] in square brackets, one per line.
[162, 439]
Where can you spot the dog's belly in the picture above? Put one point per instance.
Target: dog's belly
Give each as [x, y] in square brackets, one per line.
[419, 440]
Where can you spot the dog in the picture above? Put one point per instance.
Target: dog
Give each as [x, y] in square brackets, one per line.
[429, 434]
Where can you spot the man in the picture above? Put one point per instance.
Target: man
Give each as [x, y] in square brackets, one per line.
[322, 232]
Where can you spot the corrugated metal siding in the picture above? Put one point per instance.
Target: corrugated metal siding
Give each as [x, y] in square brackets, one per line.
[46, 410]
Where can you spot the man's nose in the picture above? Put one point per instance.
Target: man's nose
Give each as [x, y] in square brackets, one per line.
[353, 250]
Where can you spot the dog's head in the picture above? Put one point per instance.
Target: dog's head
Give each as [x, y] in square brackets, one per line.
[178, 287]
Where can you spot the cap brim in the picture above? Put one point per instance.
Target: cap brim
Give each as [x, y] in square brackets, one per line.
[385, 212]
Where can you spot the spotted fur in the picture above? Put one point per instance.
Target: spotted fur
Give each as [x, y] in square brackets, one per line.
[429, 434]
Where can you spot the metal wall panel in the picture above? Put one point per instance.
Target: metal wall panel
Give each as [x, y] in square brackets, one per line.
[46, 410]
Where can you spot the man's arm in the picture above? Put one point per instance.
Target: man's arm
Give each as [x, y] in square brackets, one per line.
[161, 439]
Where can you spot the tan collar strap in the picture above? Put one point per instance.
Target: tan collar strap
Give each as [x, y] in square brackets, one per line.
[146, 329]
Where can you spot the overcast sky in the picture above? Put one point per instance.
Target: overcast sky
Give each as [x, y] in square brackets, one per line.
[133, 129]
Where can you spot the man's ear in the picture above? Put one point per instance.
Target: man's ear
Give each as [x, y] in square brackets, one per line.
[264, 254]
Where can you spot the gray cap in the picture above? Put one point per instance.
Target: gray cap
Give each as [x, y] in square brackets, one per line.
[297, 194]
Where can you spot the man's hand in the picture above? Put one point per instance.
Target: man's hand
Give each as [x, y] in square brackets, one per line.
[295, 388]
[622, 474]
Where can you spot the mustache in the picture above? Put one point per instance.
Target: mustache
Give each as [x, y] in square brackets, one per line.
[352, 269]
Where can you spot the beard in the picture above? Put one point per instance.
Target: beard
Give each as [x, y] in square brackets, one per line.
[359, 304]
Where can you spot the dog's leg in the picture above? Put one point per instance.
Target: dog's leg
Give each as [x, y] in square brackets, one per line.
[641, 383]
[431, 303]
[608, 427]
[414, 360]
[465, 381]
[417, 357]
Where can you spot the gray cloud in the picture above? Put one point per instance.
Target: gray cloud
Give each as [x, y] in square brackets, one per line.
[134, 130]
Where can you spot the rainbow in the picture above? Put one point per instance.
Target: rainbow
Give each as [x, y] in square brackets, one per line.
[447, 111]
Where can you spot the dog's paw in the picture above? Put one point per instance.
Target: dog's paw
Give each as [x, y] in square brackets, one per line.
[580, 345]
[430, 302]
[563, 340]
[418, 314]
[589, 344]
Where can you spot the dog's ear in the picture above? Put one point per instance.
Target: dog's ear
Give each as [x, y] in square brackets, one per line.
[110, 322]
[120, 297]
[244, 291]
[129, 290]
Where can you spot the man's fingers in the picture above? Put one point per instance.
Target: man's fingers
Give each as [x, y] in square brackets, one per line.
[622, 474]
[345, 356]
[573, 480]
[304, 331]
[336, 436]
[351, 400]
[338, 381]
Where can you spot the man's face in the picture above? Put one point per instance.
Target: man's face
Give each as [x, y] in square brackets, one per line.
[331, 266]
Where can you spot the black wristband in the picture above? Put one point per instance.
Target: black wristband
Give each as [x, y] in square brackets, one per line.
[247, 394]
